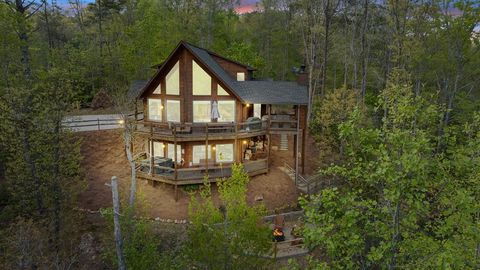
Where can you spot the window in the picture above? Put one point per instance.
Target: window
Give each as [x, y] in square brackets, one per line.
[226, 108]
[224, 153]
[201, 81]
[173, 110]
[240, 76]
[171, 152]
[257, 110]
[158, 149]
[201, 111]
[221, 91]
[155, 109]
[199, 153]
[172, 81]
[158, 90]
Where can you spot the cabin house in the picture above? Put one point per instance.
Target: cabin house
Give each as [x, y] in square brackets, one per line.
[203, 112]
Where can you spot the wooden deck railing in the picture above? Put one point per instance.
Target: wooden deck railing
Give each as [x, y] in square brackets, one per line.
[185, 130]
[308, 185]
[195, 175]
[195, 129]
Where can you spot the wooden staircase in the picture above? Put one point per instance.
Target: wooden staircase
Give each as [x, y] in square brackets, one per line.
[306, 186]
[283, 142]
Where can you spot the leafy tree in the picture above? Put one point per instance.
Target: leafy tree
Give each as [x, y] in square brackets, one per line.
[229, 237]
[328, 114]
[400, 204]
[141, 244]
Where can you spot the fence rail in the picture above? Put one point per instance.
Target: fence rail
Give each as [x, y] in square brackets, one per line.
[99, 123]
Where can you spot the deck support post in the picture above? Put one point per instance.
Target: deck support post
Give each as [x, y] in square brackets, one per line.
[296, 143]
[235, 157]
[295, 139]
[175, 157]
[304, 138]
[206, 148]
[152, 163]
[269, 123]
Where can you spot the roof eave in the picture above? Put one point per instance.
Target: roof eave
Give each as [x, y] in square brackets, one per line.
[159, 69]
[212, 71]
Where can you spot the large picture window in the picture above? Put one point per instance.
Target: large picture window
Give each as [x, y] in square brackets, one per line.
[199, 153]
[158, 149]
[224, 153]
[155, 109]
[173, 110]
[171, 152]
[201, 111]
[226, 108]
[172, 81]
[201, 81]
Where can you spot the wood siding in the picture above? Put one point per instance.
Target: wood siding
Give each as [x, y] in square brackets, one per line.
[231, 68]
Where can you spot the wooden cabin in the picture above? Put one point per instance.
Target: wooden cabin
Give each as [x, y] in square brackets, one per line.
[202, 112]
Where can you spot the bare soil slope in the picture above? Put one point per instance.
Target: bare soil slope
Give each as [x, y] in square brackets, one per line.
[104, 157]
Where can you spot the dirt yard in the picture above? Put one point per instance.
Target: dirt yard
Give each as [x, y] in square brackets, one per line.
[104, 157]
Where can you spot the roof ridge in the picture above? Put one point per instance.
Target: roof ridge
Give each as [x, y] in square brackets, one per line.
[218, 55]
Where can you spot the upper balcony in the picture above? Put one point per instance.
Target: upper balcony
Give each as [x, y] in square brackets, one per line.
[278, 124]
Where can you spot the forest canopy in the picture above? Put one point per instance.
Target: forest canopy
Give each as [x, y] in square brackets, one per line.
[394, 90]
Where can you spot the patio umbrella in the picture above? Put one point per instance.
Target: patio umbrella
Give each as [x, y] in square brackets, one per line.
[215, 112]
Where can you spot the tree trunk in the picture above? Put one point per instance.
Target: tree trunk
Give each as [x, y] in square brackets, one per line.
[326, 40]
[116, 223]
[364, 50]
[133, 184]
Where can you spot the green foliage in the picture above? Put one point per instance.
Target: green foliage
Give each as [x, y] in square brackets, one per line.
[231, 236]
[327, 115]
[191, 188]
[245, 54]
[140, 246]
[401, 203]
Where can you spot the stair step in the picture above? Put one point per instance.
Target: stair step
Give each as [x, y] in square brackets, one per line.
[283, 142]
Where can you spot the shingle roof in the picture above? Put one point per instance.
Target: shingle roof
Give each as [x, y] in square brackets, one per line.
[136, 88]
[207, 59]
[260, 92]
[257, 92]
[272, 92]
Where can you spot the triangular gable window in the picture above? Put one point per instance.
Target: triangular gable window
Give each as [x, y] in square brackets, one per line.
[172, 80]
[201, 81]
[221, 91]
[158, 90]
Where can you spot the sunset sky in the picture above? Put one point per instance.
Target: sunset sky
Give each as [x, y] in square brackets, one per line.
[246, 6]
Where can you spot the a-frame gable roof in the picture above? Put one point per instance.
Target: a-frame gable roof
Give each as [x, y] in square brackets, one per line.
[262, 92]
[205, 57]
[202, 56]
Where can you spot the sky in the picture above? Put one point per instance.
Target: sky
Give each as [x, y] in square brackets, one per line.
[245, 6]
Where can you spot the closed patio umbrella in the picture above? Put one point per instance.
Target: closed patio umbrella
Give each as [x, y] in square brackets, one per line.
[215, 112]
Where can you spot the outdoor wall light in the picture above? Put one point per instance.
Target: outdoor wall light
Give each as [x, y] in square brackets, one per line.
[244, 142]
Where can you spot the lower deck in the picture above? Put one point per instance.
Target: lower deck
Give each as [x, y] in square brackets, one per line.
[196, 175]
